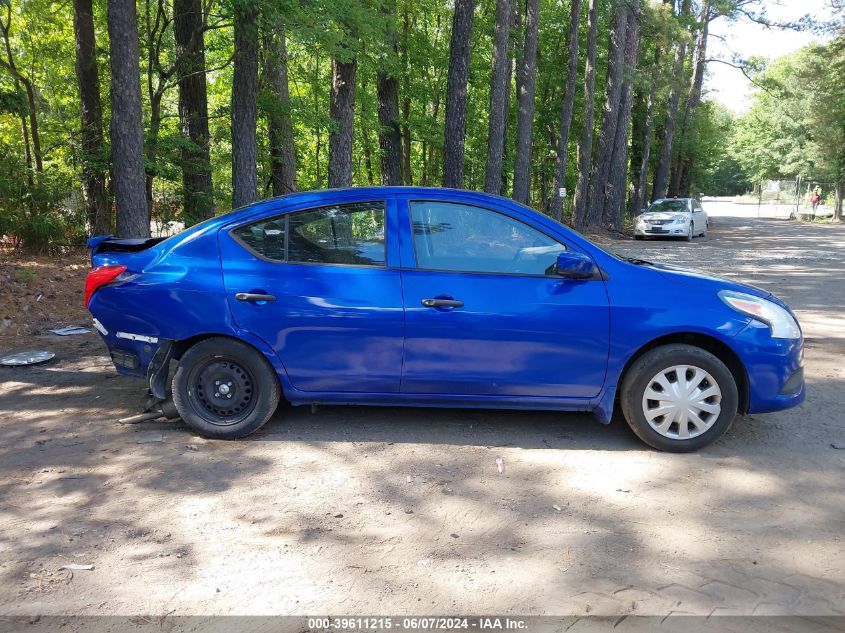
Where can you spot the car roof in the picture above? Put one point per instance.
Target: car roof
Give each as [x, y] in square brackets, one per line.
[355, 193]
[378, 190]
[317, 195]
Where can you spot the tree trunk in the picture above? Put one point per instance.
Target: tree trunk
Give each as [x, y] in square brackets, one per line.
[366, 143]
[525, 99]
[387, 88]
[499, 96]
[610, 117]
[94, 194]
[638, 198]
[244, 115]
[33, 124]
[515, 44]
[456, 94]
[313, 70]
[342, 111]
[279, 124]
[27, 146]
[151, 145]
[585, 143]
[618, 181]
[197, 188]
[684, 177]
[32, 134]
[661, 173]
[837, 201]
[127, 143]
[638, 117]
[407, 177]
[566, 111]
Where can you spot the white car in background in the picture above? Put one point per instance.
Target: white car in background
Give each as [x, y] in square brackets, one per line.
[672, 217]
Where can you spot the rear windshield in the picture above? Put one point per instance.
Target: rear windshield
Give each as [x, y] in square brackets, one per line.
[668, 205]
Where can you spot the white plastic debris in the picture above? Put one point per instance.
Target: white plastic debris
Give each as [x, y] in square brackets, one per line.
[500, 464]
[69, 330]
[77, 567]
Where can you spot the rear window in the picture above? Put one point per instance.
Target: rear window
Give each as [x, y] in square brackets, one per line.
[338, 234]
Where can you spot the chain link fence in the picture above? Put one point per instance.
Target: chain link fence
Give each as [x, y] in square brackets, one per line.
[793, 198]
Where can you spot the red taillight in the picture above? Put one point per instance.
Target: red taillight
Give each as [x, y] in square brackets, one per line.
[100, 276]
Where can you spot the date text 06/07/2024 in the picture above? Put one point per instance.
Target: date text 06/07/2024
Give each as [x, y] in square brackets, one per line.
[429, 623]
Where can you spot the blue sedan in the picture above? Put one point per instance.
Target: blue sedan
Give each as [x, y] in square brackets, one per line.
[434, 297]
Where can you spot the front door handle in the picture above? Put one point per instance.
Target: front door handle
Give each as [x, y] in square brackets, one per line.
[252, 296]
[442, 303]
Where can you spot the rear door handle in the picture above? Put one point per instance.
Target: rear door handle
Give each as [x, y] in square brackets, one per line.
[252, 296]
[442, 303]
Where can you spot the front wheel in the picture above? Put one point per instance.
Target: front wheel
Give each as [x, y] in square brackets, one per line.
[225, 389]
[679, 398]
[689, 233]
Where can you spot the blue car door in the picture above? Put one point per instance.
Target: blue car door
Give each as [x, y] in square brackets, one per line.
[485, 313]
[314, 282]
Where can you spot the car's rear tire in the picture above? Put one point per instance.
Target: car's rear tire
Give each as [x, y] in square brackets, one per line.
[686, 411]
[225, 389]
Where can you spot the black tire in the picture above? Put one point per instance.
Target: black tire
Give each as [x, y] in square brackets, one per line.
[639, 377]
[251, 386]
[638, 237]
[689, 235]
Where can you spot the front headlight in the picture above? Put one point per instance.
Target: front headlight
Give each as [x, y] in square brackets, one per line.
[780, 321]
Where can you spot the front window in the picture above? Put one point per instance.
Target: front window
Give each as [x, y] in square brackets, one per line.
[458, 237]
[668, 206]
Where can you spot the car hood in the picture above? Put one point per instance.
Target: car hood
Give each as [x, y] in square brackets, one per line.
[660, 215]
[690, 277]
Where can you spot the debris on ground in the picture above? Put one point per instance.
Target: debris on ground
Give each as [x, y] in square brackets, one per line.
[150, 438]
[70, 330]
[77, 567]
[33, 357]
[500, 464]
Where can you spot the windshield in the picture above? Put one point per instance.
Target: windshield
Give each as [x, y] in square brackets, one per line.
[667, 205]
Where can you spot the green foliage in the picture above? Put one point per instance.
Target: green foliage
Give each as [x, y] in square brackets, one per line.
[796, 125]
[41, 216]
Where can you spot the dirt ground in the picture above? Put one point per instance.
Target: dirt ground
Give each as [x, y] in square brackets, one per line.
[403, 511]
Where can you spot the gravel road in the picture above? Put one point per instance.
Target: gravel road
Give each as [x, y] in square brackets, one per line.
[368, 510]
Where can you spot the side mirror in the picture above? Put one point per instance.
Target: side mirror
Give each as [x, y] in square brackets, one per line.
[573, 265]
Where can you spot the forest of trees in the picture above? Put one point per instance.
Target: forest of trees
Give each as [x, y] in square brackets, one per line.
[113, 112]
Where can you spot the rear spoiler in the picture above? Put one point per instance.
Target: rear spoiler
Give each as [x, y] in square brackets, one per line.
[110, 244]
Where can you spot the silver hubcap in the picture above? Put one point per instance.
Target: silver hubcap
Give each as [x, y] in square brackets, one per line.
[682, 402]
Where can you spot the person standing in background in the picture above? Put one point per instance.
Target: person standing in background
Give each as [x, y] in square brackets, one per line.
[815, 200]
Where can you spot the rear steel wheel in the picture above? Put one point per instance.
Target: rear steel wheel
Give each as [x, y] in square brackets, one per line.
[225, 389]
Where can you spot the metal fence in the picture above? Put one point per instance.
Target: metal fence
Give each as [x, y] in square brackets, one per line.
[792, 198]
